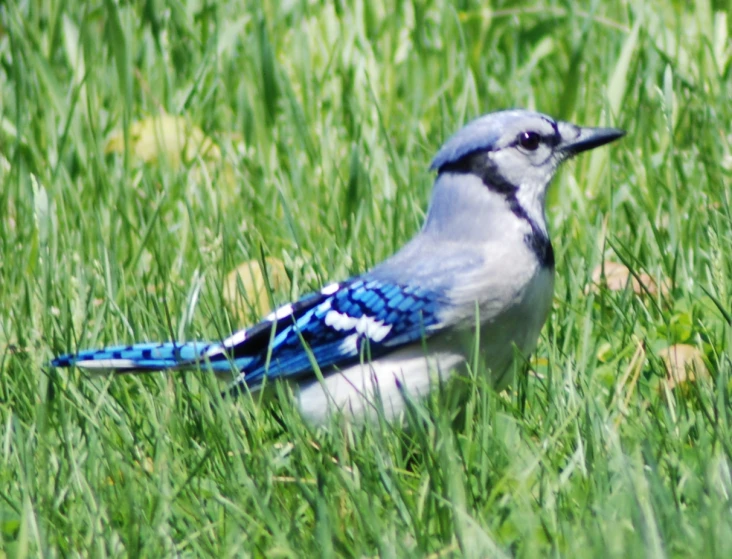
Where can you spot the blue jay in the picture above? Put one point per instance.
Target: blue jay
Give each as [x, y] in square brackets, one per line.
[480, 270]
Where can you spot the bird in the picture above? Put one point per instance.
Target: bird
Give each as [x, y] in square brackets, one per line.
[479, 271]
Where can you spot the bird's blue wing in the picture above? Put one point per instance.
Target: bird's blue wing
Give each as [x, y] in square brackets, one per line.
[343, 323]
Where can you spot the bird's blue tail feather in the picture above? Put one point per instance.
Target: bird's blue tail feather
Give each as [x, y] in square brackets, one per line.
[144, 357]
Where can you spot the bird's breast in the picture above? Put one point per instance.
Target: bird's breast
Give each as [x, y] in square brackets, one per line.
[511, 308]
[515, 329]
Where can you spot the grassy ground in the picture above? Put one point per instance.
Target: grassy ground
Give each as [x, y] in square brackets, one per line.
[320, 123]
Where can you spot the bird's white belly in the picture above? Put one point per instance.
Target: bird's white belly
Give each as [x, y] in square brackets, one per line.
[363, 391]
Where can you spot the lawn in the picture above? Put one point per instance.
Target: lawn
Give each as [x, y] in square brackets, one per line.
[148, 150]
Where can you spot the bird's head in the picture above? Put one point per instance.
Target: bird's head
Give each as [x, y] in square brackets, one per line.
[517, 152]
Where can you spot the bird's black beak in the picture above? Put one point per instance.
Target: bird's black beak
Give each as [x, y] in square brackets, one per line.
[576, 139]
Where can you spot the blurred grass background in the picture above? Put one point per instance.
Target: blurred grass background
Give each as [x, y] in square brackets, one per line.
[148, 149]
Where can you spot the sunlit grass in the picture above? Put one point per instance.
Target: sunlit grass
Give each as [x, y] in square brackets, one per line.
[306, 132]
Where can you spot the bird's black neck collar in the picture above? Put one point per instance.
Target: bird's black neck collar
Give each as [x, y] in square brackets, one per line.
[480, 165]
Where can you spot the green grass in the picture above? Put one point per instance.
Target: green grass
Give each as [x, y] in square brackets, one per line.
[326, 119]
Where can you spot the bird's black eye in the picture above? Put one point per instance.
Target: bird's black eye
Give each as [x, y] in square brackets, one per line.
[529, 140]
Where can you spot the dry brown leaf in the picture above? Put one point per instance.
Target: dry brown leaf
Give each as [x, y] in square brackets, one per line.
[245, 288]
[616, 276]
[148, 465]
[166, 136]
[684, 363]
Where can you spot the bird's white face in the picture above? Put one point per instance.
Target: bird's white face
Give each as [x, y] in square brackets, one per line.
[526, 156]
[527, 152]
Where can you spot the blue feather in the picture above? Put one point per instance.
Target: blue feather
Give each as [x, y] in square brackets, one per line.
[138, 357]
[337, 327]
[360, 319]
